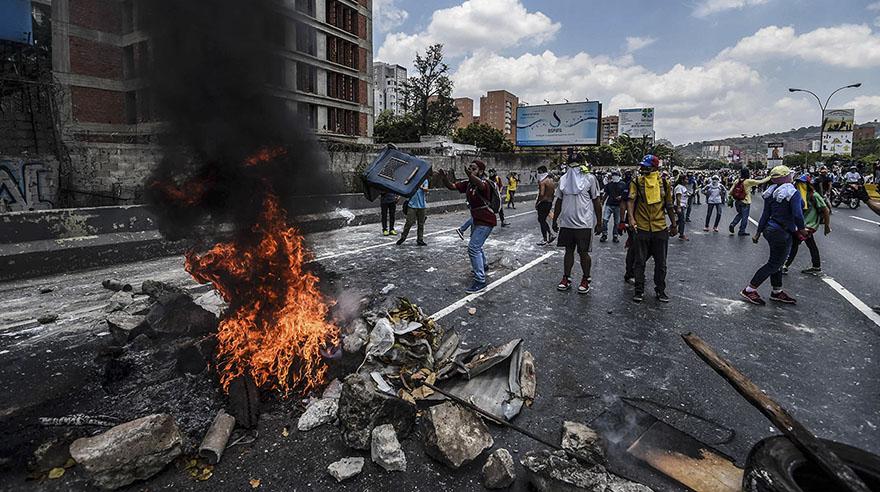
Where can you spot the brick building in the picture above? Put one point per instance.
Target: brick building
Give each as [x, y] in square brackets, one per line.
[465, 106]
[105, 119]
[608, 131]
[863, 132]
[498, 110]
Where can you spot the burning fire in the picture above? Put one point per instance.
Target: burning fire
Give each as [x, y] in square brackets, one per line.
[265, 154]
[275, 327]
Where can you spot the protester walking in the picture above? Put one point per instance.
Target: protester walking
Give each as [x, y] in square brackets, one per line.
[692, 192]
[544, 203]
[615, 191]
[576, 214]
[715, 194]
[741, 193]
[650, 201]
[512, 183]
[388, 205]
[816, 213]
[682, 200]
[416, 213]
[781, 219]
[479, 196]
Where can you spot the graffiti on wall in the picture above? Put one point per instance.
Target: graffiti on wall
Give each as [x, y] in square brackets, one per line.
[28, 184]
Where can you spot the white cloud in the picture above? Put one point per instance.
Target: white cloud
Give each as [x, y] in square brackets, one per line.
[635, 43]
[708, 7]
[875, 7]
[845, 45]
[489, 24]
[867, 107]
[387, 15]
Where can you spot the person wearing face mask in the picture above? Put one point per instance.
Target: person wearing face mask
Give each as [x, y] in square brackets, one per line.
[650, 202]
[815, 213]
[715, 193]
[615, 191]
[781, 220]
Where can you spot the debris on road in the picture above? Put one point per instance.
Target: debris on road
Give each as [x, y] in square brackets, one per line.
[47, 318]
[583, 442]
[346, 468]
[318, 412]
[178, 314]
[454, 435]
[499, 471]
[116, 285]
[385, 449]
[119, 301]
[388, 288]
[125, 327]
[554, 471]
[362, 408]
[472, 311]
[215, 440]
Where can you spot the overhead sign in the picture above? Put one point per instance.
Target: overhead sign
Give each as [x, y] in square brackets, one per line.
[558, 124]
[837, 131]
[775, 151]
[15, 21]
[636, 123]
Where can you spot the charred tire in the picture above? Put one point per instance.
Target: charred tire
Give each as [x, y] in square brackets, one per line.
[777, 465]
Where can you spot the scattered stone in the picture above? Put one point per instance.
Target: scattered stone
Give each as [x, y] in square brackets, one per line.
[333, 390]
[140, 306]
[472, 311]
[119, 301]
[190, 360]
[554, 471]
[346, 468]
[357, 337]
[362, 407]
[157, 290]
[47, 318]
[51, 454]
[583, 442]
[125, 327]
[212, 302]
[388, 288]
[178, 314]
[618, 484]
[318, 412]
[140, 342]
[385, 449]
[499, 472]
[528, 379]
[46, 290]
[454, 435]
[129, 452]
[116, 285]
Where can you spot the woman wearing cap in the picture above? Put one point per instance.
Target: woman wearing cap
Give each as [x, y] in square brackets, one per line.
[782, 218]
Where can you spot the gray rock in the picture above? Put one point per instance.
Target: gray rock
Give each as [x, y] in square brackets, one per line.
[212, 302]
[499, 472]
[319, 412]
[51, 454]
[125, 327]
[584, 442]
[356, 336]
[361, 408]
[156, 289]
[333, 390]
[178, 314]
[618, 484]
[554, 471]
[119, 301]
[346, 468]
[140, 306]
[454, 435]
[129, 452]
[47, 318]
[385, 449]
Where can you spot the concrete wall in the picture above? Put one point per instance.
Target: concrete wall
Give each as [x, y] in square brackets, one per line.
[28, 183]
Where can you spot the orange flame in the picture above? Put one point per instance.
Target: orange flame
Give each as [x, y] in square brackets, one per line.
[276, 325]
[265, 154]
[190, 193]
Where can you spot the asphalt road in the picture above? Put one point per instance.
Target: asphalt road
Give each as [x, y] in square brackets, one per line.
[818, 358]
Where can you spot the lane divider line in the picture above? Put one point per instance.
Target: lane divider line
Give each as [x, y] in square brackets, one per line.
[753, 221]
[865, 220]
[510, 276]
[391, 243]
[855, 301]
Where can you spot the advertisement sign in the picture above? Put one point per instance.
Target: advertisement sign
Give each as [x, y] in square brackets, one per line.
[837, 128]
[775, 151]
[15, 21]
[636, 123]
[558, 124]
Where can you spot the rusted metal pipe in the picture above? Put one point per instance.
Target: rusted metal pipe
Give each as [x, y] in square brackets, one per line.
[215, 440]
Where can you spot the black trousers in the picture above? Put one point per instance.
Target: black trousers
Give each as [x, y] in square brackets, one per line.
[388, 211]
[543, 209]
[650, 245]
[811, 245]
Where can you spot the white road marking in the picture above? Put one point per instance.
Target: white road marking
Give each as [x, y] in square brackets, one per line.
[865, 220]
[391, 243]
[468, 298]
[855, 301]
[753, 221]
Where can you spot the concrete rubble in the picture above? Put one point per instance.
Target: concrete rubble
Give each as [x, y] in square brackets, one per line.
[345, 468]
[129, 452]
[362, 407]
[583, 442]
[385, 449]
[318, 412]
[120, 301]
[125, 327]
[499, 471]
[355, 336]
[178, 314]
[454, 435]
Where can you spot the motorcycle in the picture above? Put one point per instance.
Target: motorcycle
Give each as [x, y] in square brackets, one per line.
[847, 193]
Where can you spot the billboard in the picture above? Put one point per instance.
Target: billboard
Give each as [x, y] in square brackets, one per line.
[837, 131]
[775, 152]
[558, 124]
[636, 123]
[15, 21]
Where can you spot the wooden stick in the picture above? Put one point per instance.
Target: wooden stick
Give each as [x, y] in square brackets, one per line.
[809, 444]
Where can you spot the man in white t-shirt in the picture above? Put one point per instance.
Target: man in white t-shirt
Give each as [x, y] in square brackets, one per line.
[682, 198]
[578, 211]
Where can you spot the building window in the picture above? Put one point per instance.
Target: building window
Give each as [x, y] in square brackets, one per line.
[342, 16]
[342, 52]
[341, 86]
[306, 77]
[306, 39]
[343, 121]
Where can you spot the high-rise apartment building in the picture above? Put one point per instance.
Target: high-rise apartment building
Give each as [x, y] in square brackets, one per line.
[498, 110]
[388, 81]
[609, 129]
[465, 106]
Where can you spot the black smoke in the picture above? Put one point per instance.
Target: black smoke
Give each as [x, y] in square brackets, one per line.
[209, 64]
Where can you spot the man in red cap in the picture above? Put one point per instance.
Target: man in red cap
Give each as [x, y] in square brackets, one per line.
[478, 192]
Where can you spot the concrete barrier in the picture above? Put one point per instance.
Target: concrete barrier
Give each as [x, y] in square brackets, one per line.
[37, 243]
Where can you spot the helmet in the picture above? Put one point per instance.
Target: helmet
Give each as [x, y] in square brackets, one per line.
[804, 178]
[650, 160]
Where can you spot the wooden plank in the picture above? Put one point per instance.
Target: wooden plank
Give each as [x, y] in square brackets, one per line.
[808, 443]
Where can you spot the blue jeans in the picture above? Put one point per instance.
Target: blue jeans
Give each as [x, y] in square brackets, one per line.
[742, 216]
[717, 208]
[479, 234]
[780, 244]
[610, 211]
[467, 225]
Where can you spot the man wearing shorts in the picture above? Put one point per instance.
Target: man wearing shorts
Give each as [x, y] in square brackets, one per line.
[577, 212]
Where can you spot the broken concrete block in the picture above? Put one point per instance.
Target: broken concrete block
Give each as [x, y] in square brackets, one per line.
[124, 327]
[178, 314]
[362, 407]
[357, 336]
[157, 290]
[319, 412]
[346, 468]
[129, 452]
[499, 472]
[527, 378]
[385, 449]
[454, 435]
[583, 442]
[555, 472]
[333, 390]
[47, 318]
[212, 302]
[119, 301]
[618, 484]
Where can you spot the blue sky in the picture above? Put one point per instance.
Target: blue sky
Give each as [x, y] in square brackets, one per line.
[710, 68]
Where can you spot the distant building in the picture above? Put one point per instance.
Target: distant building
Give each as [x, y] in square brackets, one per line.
[609, 129]
[388, 80]
[863, 132]
[715, 151]
[498, 110]
[465, 106]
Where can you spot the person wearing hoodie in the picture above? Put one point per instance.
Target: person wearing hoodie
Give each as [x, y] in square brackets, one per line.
[715, 194]
[816, 212]
[578, 211]
[741, 192]
[781, 220]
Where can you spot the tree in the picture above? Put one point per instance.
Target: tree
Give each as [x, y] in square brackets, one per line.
[391, 128]
[629, 151]
[427, 96]
[483, 136]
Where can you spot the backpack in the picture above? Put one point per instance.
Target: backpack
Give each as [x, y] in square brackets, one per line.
[494, 203]
[739, 191]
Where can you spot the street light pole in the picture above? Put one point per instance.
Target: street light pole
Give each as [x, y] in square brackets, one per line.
[823, 107]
